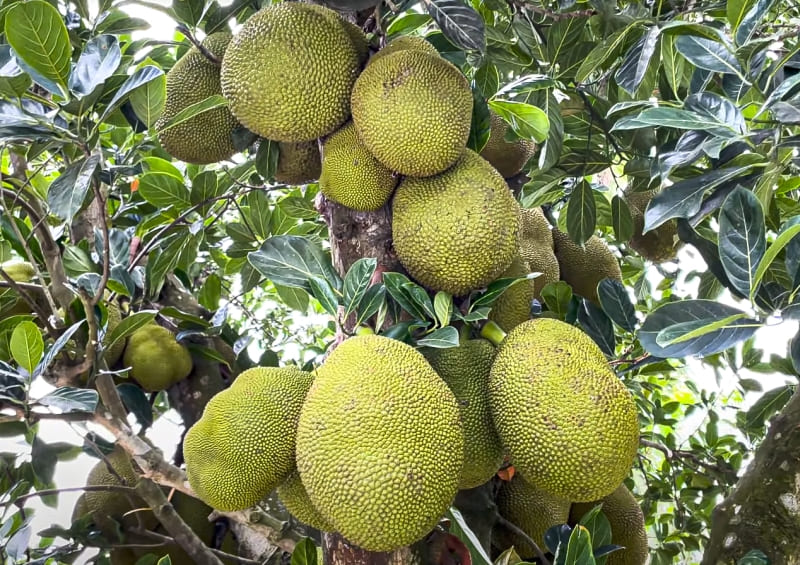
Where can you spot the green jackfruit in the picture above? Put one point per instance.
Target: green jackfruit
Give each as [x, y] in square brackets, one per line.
[295, 498]
[207, 137]
[156, 359]
[584, 267]
[627, 526]
[289, 72]
[658, 245]
[113, 353]
[536, 249]
[380, 443]
[350, 175]
[568, 423]
[530, 509]
[19, 271]
[403, 43]
[357, 37]
[298, 163]
[514, 306]
[465, 369]
[507, 157]
[243, 445]
[456, 231]
[413, 112]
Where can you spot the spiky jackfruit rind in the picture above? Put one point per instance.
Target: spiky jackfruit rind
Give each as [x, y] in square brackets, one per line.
[658, 245]
[584, 267]
[514, 306]
[465, 369]
[113, 353]
[404, 42]
[568, 423]
[413, 112]
[243, 445]
[507, 157]
[289, 72]
[536, 249]
[295, 498]
[380, 429]
[156, 359]
[298, 163]
[206, 137]
[351, 176]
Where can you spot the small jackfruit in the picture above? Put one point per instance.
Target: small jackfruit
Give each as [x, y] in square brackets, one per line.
[456, 231]
[298, 163]
[584, 267]
[536, 249]
[530, 509]
[627, 526]
[658, 245]
[19, 271]
[379, 443]
[568, 423]
[514, 306]
[295, 498]
[289, 72]
[156, 359]
[243, 445]
[206, 137]
[413, 112]
[465, 369]
[507, 157]
[404, 42]
[113, 353]
[351, 176]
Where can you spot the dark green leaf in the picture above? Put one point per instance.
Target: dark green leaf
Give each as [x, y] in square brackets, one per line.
[563, 35]
[616, 303]
[205, 187]
[494, 290]
[356, 282]
[788, 232]
[752, 18]
[13, 80]
[296, 207]
[599, 527]
[98, 61]
[715, 107]
[141, 77]
[527, 121]
[259, 213]
[267, 157]
[149, 100]
[605, 50]
[634, 66]
[68, 191]
[579, 549]
[621, 219]
[768, 405]
[26, 346]
[371, 302]
[397, 289]
[164, 190]
[322, 291]
[460, 529]
[708, 54]
[794, 352]
[480, 128]
[441, 338]
[69, 399]
[598, 326]
[57, 346]
[487, 79]
[557, 296]
[294, 298]
[742, 241]
[137, 403]
[292, 260]
[129, 325]
[420, 297]
[459, 23]
[581, 213]
[676, 118]
[305, 553]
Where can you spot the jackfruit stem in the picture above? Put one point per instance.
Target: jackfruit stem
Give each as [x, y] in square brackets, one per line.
[493, 333]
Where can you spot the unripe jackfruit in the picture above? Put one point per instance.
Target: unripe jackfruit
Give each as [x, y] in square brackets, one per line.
[113, 353]
[289, 72]
[206, 137]
[379, 443]
[514, 306]
[403, 43]
[350, 174]
[243, 445]
[507, 157]
[658, 245]
[413, 112]
[536, 249]
[298, 163]
[465, 369]
[295, 498]
[456, 231]
[156, 359]
[584, 267]
[569, 424]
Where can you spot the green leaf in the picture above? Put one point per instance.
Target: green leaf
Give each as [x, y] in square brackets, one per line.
[751, 19]
[297, 207]
[487, 79]
[598, 525]
[305, 553]
[495, 289]
[616, 303]
[687, 331]
[137, 403]
[563, 36]
[267, 157]
[294, 298]
[258, 213]
[164, 191]
[708, 54]
[322, 291]
[292, 260]
[129, 325]
[786, 235]
[149, 100]
[579, 548]
[605, 50]
[36, 32]
[357, 281]
[675, 118]
[372, 301]
[27, 346]
[673, 66]
[581, 213]
[443, 306]
[621, 219]
[768, 405]
[205, 186]
[736, 10]
[406, 23]
[210, 103]
[442, 338]
[460, 529]
[597, 326]
[742, 241]
[459, 23]
[56, 348]
[68, 191]
[100, 58]
[527, 121]
[70, 399]
[634, 66]
[13, 80]
[557, 296]
[397, 287]
[139, 78]
[480, 128]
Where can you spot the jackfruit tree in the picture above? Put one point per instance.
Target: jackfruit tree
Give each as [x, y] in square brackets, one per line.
[368, 282]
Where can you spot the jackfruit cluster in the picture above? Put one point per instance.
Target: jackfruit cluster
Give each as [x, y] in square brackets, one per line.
[537, 249]
[298, 163]
[584, 267]
[156, 359]
[508, 157]
[658, 245]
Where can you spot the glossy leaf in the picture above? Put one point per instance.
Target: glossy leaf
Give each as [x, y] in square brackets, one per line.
[443, 307]
[581, 213]
[141, 77]
[579, 548]
[459, 23]
[604, 51]
[787, 233]
[322, 291]
[292, 260]
[356, 282]
[210, 103]
[557, 296]
[373, 299]
[752, 18]
[56, 348]
[634, 66]
[708, 54]
[768, 405]
[616, 303]
[305, 553]
[100, 58]
[163, 190]
[675, 118]
[441, 338]
[69, 399]
[527, 121]
[68, 191]
[598, 326]
[149, 100]
[621, 219]
[742, 242]
[137, 403]
[27, 346]
[460, 528]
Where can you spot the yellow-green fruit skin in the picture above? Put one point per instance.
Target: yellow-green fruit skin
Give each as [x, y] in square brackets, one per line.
[465, 369]
[359, 41]
[536, 249]
[514, 306]
[298, 163]
[351, 176]
[568, 423]
[584, 268]
[456, 231]
[156, 359]
[243, 445]
[289, 72]
[295, 498]
[19, 271]
[403, 43]
[627, 526]
[207, 137]
[380, 444]
[507, 157]
[114, 352]
[658, 245]
[532, 510]
[413, 112]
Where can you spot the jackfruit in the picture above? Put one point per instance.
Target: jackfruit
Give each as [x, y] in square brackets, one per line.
[507, 157]
[514, 306]
[584, 268]
[156, 359]
[456, 231]
[19, 271]
[413, 112]
[380, 444]
[465, 369]
[243, 445]
[568, 423]
[206, 137]
[658, 245]
[357, 37]
[536, 249]
[627, 526]
[113, 353]
[298, 163]
[80, 509]
[295, 498]
[350, 175]
[289, 72]
[403, 43]
[530, 509]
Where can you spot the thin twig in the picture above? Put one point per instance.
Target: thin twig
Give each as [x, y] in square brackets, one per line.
[518, 531]
[87, 488]
[227, 556]
[101, 203]
[193, 40]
